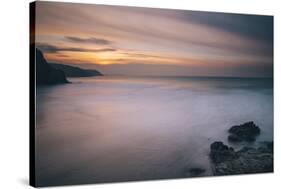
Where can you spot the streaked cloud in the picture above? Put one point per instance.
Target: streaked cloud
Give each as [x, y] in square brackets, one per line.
[88, 40]
[250, 26]
[55, 49]
[116, 35]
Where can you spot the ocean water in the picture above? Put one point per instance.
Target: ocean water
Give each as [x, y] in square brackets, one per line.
[107, 129]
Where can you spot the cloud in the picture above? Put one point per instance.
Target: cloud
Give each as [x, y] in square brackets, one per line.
[63, 55]
[55, 49]
[251, 26]
[143, 34]
[141, 55]
[189, 33]
[94, 40]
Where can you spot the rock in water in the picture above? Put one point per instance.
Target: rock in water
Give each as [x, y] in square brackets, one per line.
[45, 74]
[245, 132]
[193, 171]
[196, 171]
[220, 152]
[248, 160]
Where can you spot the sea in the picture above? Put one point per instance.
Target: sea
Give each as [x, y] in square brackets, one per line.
[126, 128]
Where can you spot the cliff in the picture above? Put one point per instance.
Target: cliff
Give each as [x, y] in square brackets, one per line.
[46, 74]
[72, 71]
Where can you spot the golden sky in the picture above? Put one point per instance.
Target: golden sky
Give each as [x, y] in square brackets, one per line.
[148, 41]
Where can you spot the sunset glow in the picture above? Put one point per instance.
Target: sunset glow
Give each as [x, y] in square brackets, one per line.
[193, 43]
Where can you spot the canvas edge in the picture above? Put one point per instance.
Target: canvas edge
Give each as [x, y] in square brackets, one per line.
[32, 12]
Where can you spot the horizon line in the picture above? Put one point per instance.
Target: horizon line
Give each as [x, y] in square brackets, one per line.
[190, 76]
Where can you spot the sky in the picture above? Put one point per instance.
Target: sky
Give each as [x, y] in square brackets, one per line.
[159, 42]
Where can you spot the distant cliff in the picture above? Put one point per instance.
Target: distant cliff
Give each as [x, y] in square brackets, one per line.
[72, 71]
[46, 74]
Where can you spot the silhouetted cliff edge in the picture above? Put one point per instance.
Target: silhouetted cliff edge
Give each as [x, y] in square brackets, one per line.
[72, 71]
[46, 74]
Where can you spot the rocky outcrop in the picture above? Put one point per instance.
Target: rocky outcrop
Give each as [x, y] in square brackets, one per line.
[45, 74]
[194, 172]
[73, 71]
[245, 132]
[226, 161]
[220, 152]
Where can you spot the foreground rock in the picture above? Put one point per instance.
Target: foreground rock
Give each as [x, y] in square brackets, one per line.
[196, 172]
[73, 71]
[221, 153]
[245, 132]
[45, 74]
[193, 171]
[226, 161]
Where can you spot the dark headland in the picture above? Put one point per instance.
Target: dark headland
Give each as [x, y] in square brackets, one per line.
[51, 73]
[45, 74]
[73, 71]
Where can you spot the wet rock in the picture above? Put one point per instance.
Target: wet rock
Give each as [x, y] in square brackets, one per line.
[221, 152]
[196, 171]
[246, 160]
[245, 132]
[193, 171]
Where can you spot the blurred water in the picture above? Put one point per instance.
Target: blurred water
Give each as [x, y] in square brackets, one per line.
[107, 129]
